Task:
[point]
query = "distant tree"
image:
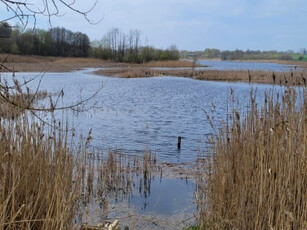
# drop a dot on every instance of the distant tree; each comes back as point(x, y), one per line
point(212, 53)
point(28, 43)
point(5, 34)
point(148, 54)
point(15, 48)
point(303, 51)
point(285, 57)
point(173, 53)
point(45, 42)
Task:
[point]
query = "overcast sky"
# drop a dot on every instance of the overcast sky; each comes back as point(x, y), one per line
point(196, 24)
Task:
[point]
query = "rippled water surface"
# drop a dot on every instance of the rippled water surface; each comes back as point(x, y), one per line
point(134, 114)
point(131, 115)
point(239, 65)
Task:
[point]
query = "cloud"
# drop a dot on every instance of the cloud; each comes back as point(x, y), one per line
point(197, 24)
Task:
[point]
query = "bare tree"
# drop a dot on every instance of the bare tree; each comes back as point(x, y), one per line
point(25, 10)
point(14, 95)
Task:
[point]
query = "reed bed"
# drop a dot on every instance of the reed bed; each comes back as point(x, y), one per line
point(282, 78)
point(172, 64)
point(48, 180)
point(10, 58)
point(257, 177)
point(298, 77)
point(39, 177)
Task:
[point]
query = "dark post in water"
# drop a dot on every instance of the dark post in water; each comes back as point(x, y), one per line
point(179, 142)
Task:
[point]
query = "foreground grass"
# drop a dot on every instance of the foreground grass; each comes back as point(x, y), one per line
point(40, 181)
point(257, 178)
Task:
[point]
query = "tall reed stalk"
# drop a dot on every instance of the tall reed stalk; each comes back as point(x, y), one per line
point(39, 176)
point(257, 176)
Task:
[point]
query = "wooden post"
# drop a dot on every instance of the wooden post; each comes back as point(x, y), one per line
point(179, 142)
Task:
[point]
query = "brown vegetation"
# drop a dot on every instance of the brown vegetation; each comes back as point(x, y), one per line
point(21, 63)
point(299, 64)
point(257, 175)
point(282, 78)
point(172, 64)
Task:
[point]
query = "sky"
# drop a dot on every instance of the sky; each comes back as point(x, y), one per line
point(193, 24)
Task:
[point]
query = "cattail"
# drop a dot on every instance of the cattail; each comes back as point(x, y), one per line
point(274, 77)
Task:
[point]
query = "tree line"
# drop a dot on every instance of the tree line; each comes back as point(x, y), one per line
point(115, 45)
point(245, 55)
point(54, 42)
point(122, 47)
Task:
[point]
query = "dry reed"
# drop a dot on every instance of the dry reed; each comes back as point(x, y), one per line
point(172, 64)
point(282, 78)
point(39, 182)
point(257, 175)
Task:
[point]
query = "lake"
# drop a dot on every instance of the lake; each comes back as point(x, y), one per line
point(131, 115)
point(240, 65)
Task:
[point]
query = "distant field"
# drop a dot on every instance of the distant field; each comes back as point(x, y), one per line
point(297, 56)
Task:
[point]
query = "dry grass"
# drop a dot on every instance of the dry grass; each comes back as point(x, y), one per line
point(257, 177)
point(281, 78)
point(300, 64)
point(48, 182)
point(21, 63)
point(171, 64)
point(25, 59)
point(129, 72)
point(40, 180)
point(45, 180)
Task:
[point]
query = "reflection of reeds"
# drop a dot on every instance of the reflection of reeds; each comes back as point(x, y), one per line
point(257, 176)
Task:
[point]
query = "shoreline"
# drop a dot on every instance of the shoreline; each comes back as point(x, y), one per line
point(295, 78)
point(181, 68)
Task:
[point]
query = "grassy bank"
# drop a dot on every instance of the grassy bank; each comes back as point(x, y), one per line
point(182, 68)
point(257, 177)
point(21, 63)
point(281, 78)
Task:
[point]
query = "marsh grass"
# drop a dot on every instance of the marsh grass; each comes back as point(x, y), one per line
point(172, 64)
point(39, 177)
point(291, 78)
point(49, 178)
point(257, 177)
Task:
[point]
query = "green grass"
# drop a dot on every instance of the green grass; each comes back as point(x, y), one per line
point(192, 228)
point(297, 56)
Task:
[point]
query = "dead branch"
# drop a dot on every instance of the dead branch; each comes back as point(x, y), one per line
point(24, 10)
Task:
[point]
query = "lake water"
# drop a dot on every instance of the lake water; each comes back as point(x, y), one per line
point(135, 114)
point(131, 115)
point(239, 65)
